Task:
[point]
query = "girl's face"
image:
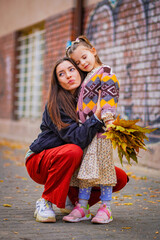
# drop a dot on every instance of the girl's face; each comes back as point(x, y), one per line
point(85, 58)
point(68, 76)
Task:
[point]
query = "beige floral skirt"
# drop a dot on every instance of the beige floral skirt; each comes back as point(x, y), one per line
point(97, 165)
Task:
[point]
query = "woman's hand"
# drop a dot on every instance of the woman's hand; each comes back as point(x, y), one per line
point(98, 110)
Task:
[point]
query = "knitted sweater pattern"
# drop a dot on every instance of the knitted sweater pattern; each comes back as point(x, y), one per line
point(99, 78)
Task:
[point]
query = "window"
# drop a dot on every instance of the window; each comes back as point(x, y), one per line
point(30, 74)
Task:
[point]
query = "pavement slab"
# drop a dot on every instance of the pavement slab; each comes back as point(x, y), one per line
point(135, 209)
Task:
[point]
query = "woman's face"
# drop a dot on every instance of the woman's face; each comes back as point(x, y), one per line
point(68, 76)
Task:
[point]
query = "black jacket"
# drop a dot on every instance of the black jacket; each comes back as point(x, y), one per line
point(51, 137)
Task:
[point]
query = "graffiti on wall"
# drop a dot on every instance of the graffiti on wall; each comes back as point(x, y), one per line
point(109, 10)
point(114, 6)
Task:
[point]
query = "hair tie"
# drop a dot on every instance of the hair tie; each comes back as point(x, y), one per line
point(68, 44)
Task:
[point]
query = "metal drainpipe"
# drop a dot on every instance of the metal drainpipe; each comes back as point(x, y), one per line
point(78, 29)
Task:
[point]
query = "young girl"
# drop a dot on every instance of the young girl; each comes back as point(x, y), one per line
point(97, 168)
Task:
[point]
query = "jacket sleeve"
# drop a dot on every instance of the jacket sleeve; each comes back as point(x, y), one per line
point(76, 134)
point(109, 94)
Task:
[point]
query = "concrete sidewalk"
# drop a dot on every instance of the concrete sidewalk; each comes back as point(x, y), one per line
point(136, 209)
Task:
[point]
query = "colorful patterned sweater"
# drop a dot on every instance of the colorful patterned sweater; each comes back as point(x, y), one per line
point(98, 78)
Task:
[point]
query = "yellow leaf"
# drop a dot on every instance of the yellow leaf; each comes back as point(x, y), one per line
point(114, 144)
point(121, 129)
point(127, 196)
point(7, 205)
point(125, 123)
point(135, 177)
point(25, 179)
point(124, 145)
point(38, 186)
point(126, 227)
point(129, 174)
point(127, 204)
point(115, 197)
point(144, 178)
point(1, 180)
point(138, 194)
point(127, 137)
point(110, 126)
point(151, 202)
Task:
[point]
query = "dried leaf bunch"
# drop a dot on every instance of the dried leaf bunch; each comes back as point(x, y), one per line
point(127, 137)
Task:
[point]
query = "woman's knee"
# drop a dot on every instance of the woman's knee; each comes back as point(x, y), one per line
point(74, 154)
point(122, 179)
point(76, 150)
point(32, 169)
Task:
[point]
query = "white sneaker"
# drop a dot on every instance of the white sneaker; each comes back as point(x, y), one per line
point(44, 211)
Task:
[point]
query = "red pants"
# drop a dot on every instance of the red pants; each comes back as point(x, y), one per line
point(54, 168)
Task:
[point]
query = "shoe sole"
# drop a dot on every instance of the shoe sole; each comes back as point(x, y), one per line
point(65, 210)
point(77, 220)
point(44, 220)
point(101, 222)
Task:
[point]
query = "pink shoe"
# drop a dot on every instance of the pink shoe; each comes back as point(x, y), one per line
point(103, 215)
point(78, 214)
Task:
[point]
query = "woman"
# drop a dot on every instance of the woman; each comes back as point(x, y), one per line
point(57, 152)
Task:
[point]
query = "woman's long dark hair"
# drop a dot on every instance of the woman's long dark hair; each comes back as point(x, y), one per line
point(61, 98)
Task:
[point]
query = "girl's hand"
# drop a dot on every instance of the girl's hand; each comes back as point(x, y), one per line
point(98, 110)
point(109, 122)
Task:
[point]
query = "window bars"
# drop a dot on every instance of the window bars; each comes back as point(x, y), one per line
point(30, 75)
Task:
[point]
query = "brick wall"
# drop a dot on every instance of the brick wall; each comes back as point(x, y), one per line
point(58, 29)
point(127, 37)
point(7, 59)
